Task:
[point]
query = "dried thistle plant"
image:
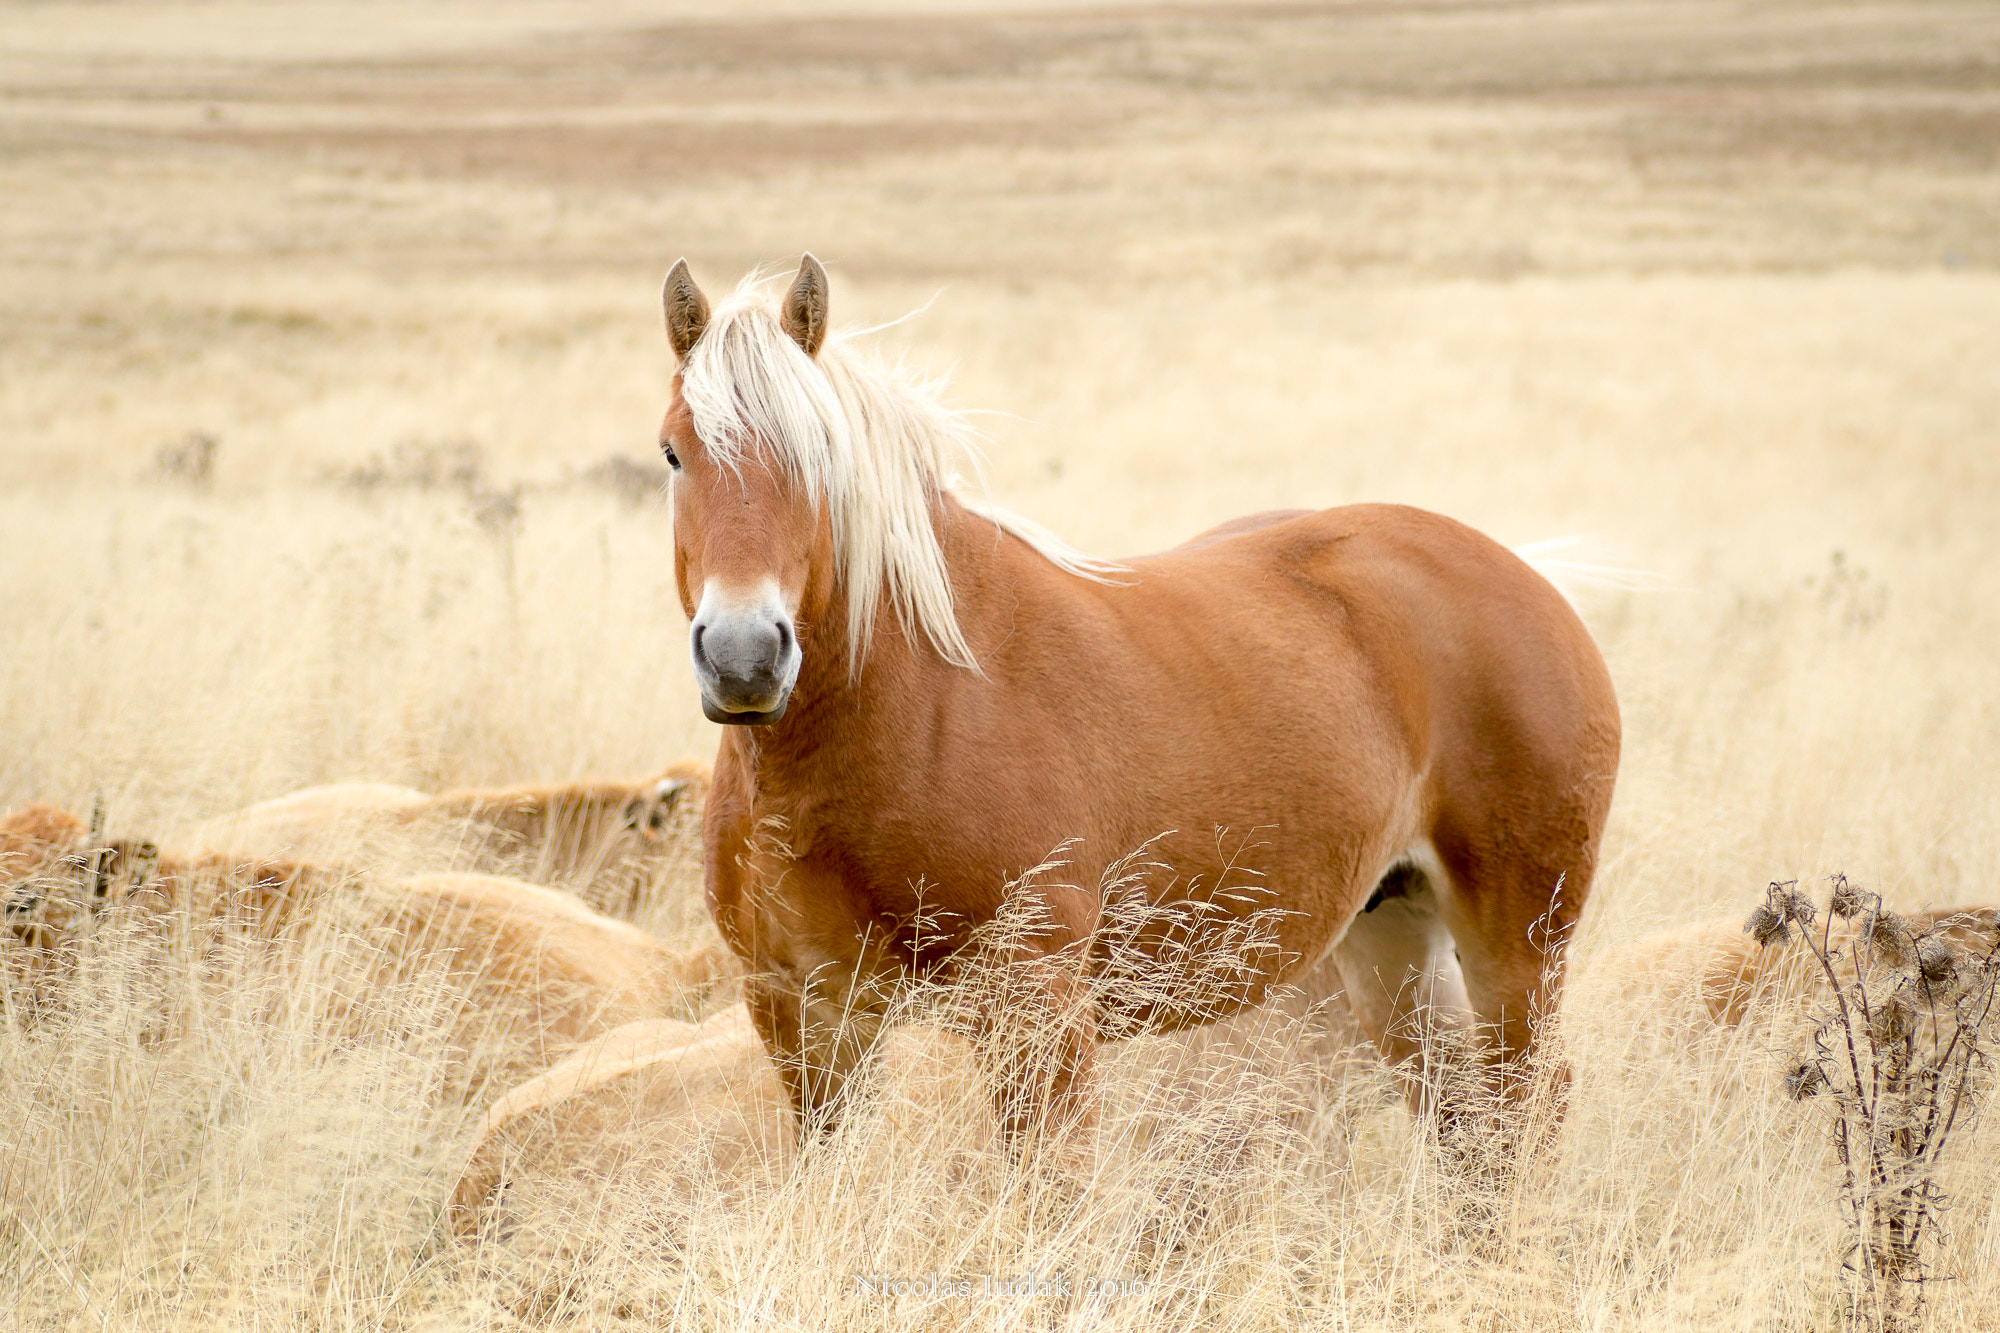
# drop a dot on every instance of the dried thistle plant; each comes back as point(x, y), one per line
point(1899, 1059)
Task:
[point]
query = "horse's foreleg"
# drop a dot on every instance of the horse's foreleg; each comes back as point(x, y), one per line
point(1037, 1037)
point(818, 1028)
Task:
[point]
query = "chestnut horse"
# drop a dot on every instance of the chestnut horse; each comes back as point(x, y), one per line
point(1395, 728)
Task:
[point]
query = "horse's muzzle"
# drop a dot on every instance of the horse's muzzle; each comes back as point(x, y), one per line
point(746, 665)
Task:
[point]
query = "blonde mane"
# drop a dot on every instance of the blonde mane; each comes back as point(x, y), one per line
point(874, 440)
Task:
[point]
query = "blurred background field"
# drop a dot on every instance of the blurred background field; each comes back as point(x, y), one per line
point(330, 365)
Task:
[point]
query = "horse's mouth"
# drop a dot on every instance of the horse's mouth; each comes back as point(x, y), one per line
point(749, 718)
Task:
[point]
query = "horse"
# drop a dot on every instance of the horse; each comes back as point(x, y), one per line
point(704, 1101)
point(537, 971)
point(700, 1105)
point(613, 842)
point(1370, 730)
point(1733, 982)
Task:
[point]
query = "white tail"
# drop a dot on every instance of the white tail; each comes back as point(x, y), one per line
point(1579, 566)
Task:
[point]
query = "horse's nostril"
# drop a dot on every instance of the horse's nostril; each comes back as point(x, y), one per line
point(784, 637)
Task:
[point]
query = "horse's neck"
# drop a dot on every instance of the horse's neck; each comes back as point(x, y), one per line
point(837, 716)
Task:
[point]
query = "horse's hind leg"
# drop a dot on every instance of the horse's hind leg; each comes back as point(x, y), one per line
point(1400, 978)
point(1511, 911)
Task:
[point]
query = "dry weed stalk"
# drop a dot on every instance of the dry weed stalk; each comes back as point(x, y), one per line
point(190, 459)
point(1900, 1058)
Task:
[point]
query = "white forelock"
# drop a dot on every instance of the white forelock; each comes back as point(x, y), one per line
point(873, 439)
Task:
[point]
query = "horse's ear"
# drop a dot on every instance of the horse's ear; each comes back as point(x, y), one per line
point(804, 311)
point(686, 307)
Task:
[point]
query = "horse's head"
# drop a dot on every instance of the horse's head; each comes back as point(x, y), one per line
point(753, 543)
point(660, 803)
point(55, 872)
point(810, 483)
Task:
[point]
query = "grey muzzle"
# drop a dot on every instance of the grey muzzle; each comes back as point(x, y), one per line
point(746, 663)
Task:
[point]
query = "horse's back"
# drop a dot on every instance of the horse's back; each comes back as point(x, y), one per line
point(1396, 562)
point(536, 921)
point(1454, 634)
point(1319, 685)
point(1444, 609)
point(297, 822)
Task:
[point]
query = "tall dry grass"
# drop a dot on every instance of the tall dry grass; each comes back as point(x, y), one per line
point(1715, 286)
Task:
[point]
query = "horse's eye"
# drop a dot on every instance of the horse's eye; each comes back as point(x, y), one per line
point(673, 459)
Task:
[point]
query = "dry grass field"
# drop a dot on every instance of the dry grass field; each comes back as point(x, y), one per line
point(1716, 284)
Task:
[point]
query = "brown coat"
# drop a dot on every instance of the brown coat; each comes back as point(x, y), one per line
point(1294, 707)
point(535, 970)
point(703, 1102)
point(1732, 980)
point(941, 719)
point(621, 845)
